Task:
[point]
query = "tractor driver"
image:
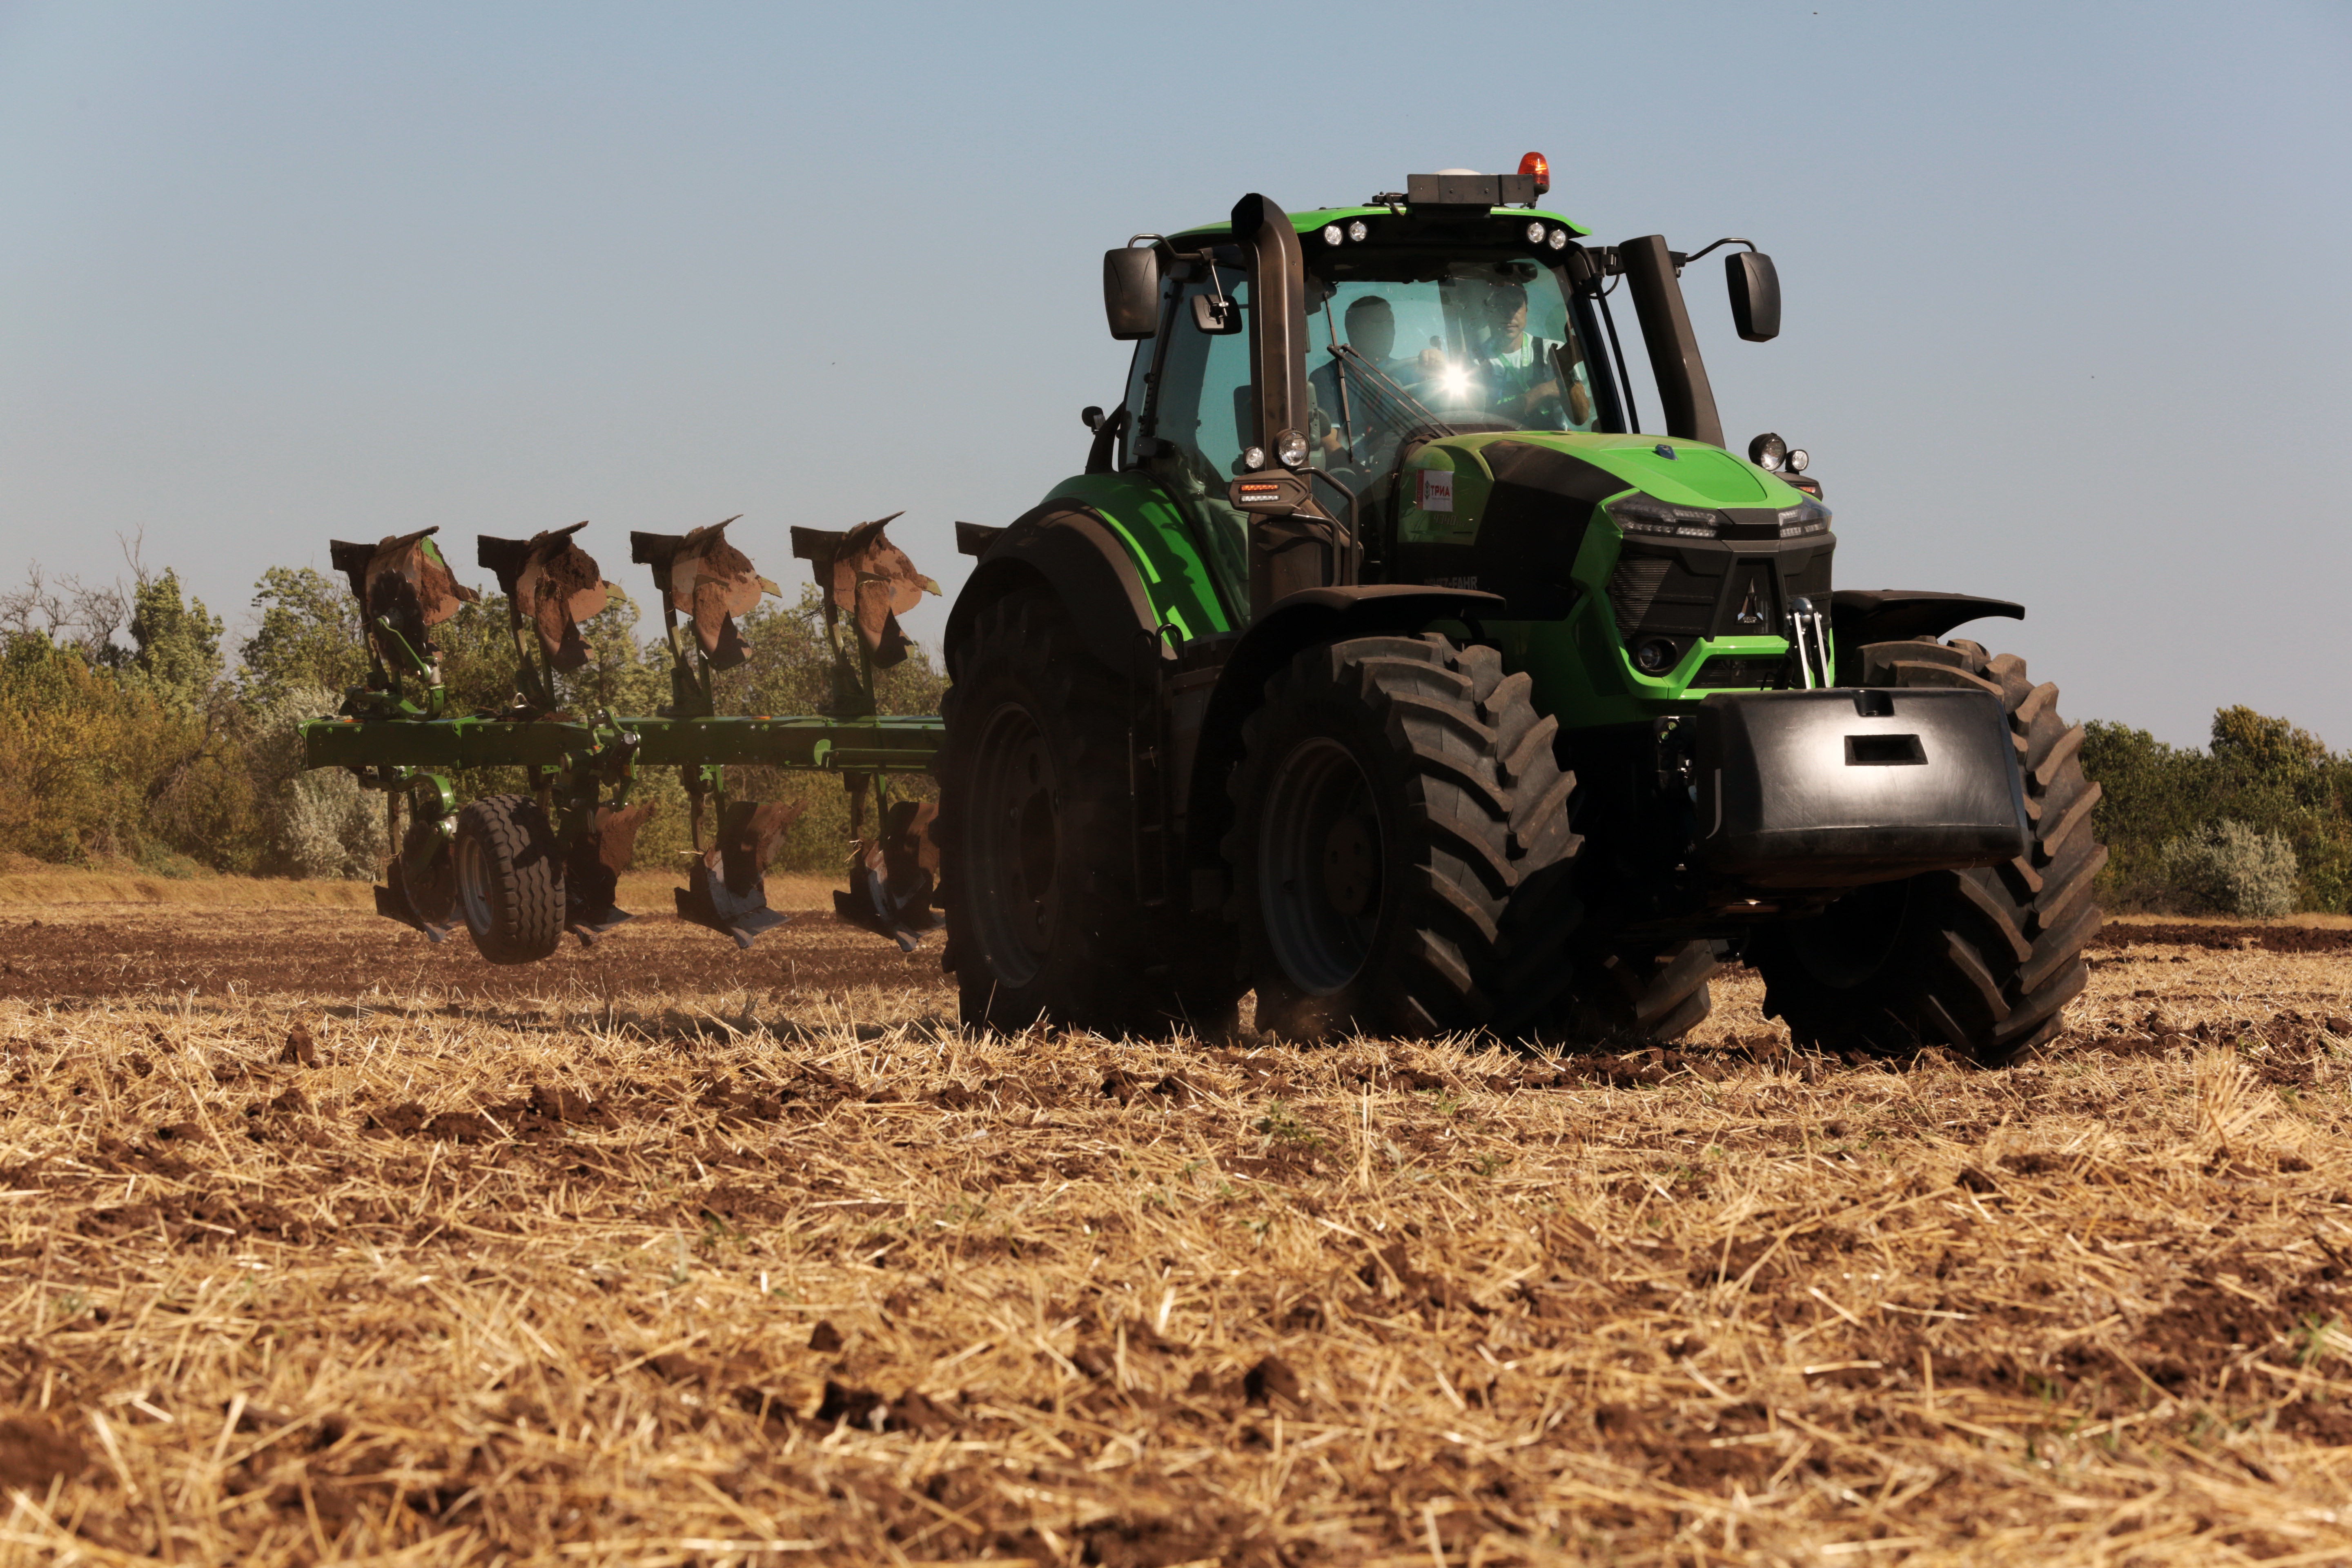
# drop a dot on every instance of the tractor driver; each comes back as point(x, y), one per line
point(1521, 369)
point(1372, 328)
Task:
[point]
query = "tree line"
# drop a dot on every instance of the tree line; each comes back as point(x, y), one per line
point(128, 739)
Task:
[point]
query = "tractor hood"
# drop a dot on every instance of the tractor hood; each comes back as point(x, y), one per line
point(1678, 472)
point(1511, 510)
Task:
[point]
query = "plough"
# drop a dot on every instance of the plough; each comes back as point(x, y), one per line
point(518, 871)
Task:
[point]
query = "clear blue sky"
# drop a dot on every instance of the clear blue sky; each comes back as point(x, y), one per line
point(2067, 286)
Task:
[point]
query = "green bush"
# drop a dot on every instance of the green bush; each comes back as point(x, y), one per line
point(2230, 868)
point(2260, 771)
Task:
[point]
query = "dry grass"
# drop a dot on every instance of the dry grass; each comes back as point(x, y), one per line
point(679, 1279)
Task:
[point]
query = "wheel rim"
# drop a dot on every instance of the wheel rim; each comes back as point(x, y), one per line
point(1848, 943)
point(474, 885)
point(1014, 850)
point(1320, 850)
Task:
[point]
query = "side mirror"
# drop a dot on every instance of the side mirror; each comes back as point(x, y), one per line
point(1131, 291)
point(1754, 295)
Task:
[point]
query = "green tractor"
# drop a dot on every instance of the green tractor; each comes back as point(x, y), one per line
point(1377, 665)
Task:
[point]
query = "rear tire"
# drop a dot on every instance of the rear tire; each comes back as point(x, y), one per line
point(1393, 795)
point(1037, 846)
point(510, 877)
point(1983, 960)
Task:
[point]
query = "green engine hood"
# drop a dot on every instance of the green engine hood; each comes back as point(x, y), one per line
point(1694, 475)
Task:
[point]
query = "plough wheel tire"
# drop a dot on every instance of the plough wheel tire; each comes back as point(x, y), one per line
point(1393, 794)
point(1037, 846)
point(510, 879)
point(1983, 961)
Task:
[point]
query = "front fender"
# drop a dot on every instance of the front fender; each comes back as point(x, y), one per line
point(1863, 616)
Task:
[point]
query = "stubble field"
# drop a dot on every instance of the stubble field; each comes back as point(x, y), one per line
point(318, 1243)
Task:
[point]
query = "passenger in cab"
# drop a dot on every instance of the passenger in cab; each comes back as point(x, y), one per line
point(1366, 419)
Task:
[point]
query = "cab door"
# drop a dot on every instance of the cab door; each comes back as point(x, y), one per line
point(1196, 415)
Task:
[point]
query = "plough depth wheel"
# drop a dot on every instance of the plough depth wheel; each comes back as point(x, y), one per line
point(510, 879)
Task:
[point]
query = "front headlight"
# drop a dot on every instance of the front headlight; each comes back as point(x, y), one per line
point(1803, 522)
point(1648, 515)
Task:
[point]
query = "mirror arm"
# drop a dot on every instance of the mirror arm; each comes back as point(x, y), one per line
point(1718, 245)
point(1107, 430)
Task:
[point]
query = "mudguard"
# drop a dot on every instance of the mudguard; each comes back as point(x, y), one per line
point(1068, 549)
point(1860, 616)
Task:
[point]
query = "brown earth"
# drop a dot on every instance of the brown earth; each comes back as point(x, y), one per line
point(89, 951)
point(2225, 936)
point(672, 1254)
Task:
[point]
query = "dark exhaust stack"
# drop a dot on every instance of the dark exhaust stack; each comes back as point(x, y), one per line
point(1284, 557)
point(1674, 347)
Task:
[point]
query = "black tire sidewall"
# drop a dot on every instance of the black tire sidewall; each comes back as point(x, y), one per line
point(1359, 1000)
point(1112, 964)
point(508, 838)
point(998, 683)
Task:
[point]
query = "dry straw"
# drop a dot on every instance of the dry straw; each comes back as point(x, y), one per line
point(772, 1279)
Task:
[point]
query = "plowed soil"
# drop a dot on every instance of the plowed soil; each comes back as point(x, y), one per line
point(319, 1243)
point(86, 952)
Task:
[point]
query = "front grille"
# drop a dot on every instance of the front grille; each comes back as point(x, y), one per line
point(1654, 596)
point(1728, 670)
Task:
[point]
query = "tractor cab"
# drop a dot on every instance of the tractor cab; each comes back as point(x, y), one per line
point(1430, 390)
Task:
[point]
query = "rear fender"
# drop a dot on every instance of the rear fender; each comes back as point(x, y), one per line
point(1067, 549)
point(1298, 622)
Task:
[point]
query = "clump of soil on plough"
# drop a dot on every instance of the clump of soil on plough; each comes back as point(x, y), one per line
point(749, 1272)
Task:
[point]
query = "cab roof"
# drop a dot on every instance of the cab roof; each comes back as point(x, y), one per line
point(1307, 223)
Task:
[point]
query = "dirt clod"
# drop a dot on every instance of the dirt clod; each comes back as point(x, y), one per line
point(36, 1450)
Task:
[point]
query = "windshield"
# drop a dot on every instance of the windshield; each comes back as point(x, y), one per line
point(1435, 346)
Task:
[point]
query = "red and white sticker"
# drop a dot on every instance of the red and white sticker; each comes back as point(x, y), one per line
point(1436, 489)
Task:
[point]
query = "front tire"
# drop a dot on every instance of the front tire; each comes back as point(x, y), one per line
point(1393, 795)
point(510, 877)
point(1646, 996)
point(1981, 961)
